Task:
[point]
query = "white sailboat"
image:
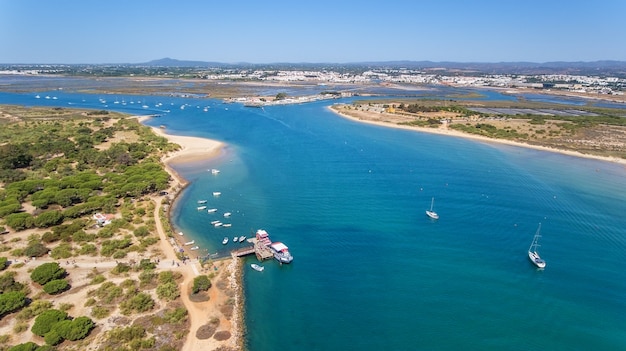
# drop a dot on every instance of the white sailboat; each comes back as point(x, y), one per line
point(533, 255)
point(430, 213)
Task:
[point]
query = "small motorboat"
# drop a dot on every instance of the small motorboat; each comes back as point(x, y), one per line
point(242, 238)
point(225, 241)
point(257, 267)
point(194, 248)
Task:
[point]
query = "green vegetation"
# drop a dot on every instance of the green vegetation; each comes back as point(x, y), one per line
point(488, 130)
point(201, 283)
point(57, 168)
point(47, 272)
point(168, 288)
point(11, 302)
point(72, 169)
point(56, 286)
point(56, 326)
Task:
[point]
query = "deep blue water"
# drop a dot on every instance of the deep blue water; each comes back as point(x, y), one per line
point(371, 271)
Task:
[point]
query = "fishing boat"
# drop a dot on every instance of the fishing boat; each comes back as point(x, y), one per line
point(533, 255)
point(257, 267)
point(225, 241)
point(190, 242)
point(430, 213)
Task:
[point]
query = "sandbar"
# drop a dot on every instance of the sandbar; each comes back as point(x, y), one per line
point(444, 130)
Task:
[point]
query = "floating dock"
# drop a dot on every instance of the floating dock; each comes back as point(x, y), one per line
point(261, 251)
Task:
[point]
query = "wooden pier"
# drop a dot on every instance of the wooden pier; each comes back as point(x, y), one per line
point(261, 251)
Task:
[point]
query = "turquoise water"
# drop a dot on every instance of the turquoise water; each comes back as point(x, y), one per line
point(370, 270)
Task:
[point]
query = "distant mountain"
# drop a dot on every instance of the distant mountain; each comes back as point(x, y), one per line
point(170, 62)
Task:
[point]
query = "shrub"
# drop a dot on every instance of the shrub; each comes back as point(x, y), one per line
point(35, 249)
point(8, 283)
point(56, 286)
point(11, 302)
point(47, 272)
point(46, 321)
point(141, 231)
point(120, 268)
point(76, 329)
point(100, 312)
point(48, 219)
point(4, 263)
point(146, 264)
point(168, 291)
point(175, 316)
point(64, 250)
point(29, 346)
point(52, 337)
point(201, 283)
point(34, 309)
point(141, 302)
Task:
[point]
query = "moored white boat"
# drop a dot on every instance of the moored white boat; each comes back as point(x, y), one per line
point(190, 242)
point(200, 202)
point(281, 252)
point(257, 267)
point(225, 241)
point(242, 238)
point(200, 208)
point(216, 193)
point(430, 213)
point(194, 248)
point(533, 255)
point(227, 214)
point(180, 233)
point(212, 210)
point(227, 225)
point(215, 171)
point(217, 224)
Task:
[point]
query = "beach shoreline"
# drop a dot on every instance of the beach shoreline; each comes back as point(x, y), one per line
point(443, 130)
point(201, 149)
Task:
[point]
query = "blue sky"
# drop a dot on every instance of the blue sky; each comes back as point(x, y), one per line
point(231, 31)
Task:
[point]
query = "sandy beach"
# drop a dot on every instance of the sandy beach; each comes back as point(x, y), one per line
point(443, 130)
point(200, 313)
